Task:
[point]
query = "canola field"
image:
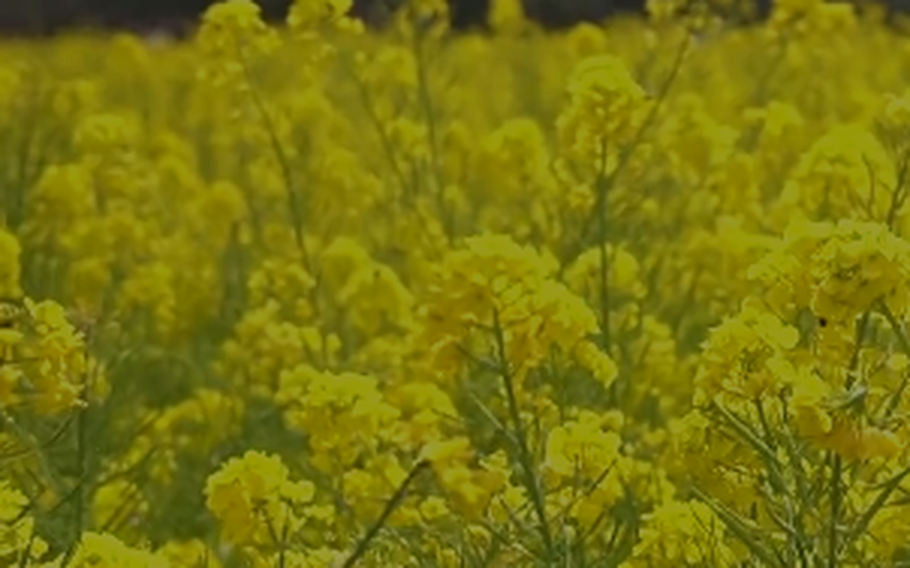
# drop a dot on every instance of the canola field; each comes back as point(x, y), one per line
point(632, 296)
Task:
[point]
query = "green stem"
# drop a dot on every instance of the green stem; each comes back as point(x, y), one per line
point(81, 457)
point(836, 496)
point(284, 164)
point(79, 492)
point(426, 103)
point(904, 344)
point(409, 190)
point(626, 156)
point(394, 502)
point(898, 196)
point(524, 453)
point(602, 188)
point(388, 148)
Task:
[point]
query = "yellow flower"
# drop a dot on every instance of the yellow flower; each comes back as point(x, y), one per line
point(17, 527)
point(807, 402)
point(376, 300)
point(120, 504)
point(104, 133)
point(581, 447)
point(307, 14)
point(687, 533)
point(254, 500)
point(188, 554)
point(506, 15)
point(345, 415)
point(443, 454)
point(745, 357)
point(233, 35)
point(101, 550)
point(599, 363)
point(605, 110)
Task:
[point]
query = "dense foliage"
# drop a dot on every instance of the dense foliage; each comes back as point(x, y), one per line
point(630, 296)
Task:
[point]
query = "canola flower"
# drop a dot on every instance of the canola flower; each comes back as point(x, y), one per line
point(312, 295)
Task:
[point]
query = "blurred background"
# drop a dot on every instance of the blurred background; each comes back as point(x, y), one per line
point(40, 17)
point(30, 17)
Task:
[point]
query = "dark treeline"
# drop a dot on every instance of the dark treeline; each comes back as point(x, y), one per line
point(49, 16)
point(38, 17)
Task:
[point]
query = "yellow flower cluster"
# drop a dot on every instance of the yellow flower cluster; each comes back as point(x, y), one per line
point(254, 500)
point(312, 295)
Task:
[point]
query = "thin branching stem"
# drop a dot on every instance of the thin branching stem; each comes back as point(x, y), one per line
point(284, 163)
point(836, 497)
point(524, 452)
point(904, 344)
point(393, 503)
point(429, 111)
point(625, 156)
